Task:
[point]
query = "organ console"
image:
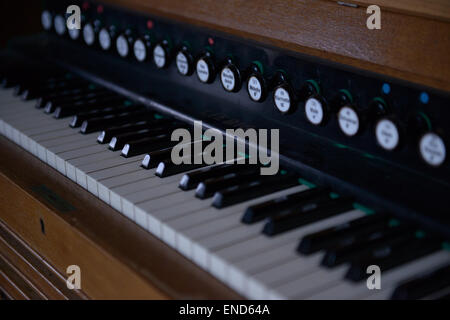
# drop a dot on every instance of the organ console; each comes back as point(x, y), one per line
point(87, 177)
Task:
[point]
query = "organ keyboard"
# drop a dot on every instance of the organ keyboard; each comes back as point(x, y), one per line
point(99, 106)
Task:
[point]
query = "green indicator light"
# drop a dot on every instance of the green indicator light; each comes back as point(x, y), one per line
point(341, 146)
point(282, 71)
point(259, 65)
point(92, 87)
point(187, 44)
point(158, 116)
point(127, 103)
point(306, 183)
point(334, 195)
point(368, 155)
point(209, 49)
point(420, 234)
point(315, 85)
point(246, 156)
point(283, 172)
point(348, 94)
point(427, 120)
point(169, 42)
point(380, 100)
point(393, 223)
point(446, 246)
point(366, 210)
point(206, 138)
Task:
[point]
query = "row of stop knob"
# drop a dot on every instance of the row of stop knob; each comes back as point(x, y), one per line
point(317, 110)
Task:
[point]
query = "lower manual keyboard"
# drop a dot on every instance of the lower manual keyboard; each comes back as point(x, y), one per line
point(256, 265)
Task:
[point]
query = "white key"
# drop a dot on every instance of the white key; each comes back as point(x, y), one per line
point(94, 177)
point(83, 170)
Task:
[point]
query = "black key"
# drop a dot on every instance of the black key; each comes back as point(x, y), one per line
point(306, 213)
point(168, 168)
point(254, 189)
point(78, 119)
point(364, 244)
point(342, 234)
point(32, 92)
point(105, 101)
point(191, 180)
point(152, 159)
point(106, 135)
point(263, 210)
point(76, 100)
point(102, 123)
point(391, 256)
point(119, 141)
point(424, 285)
point(34, 84)
point(66, 94)
point(208, 188)
point(143, 146)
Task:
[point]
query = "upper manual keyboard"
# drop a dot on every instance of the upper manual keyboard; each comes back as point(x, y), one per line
point(267, 237)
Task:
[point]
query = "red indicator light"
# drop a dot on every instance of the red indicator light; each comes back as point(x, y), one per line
point(210, 41)
point(149, 24)
point(86, 5)
point(100, 9)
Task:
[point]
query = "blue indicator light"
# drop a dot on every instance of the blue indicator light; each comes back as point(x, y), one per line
point(424, 98)
point(386, 88)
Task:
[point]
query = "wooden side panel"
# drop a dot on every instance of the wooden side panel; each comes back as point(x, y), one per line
point(102, 276)
point(49, 281)
point(408, 47)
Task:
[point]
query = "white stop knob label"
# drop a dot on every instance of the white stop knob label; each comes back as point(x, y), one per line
point(202, 70)
point(432, 149)
point(105, 39)
point(46, 20)
point(140, 51)
point(60, 25)
point(182, 64)
point(387, 134)
point(88, 34)
point(282, 100)
point(348, 121)
point(159, 56)
point(314, 111)
point(254, 88)
point(122, 46)
point(227, 78)
point(74, 34)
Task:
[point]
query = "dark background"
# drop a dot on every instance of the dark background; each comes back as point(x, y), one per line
point(18, 17)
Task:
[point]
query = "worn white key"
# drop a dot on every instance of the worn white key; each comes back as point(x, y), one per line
point(161, 212)
point(130, 173)
point(83, 170)
point(94, 177)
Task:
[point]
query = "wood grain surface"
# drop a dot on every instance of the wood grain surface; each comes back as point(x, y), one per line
point(436, 9)
point(408, 47)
